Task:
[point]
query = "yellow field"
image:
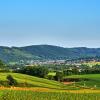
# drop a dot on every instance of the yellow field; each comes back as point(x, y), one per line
point(37, 89)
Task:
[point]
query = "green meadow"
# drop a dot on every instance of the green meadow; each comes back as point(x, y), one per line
point(88, 80)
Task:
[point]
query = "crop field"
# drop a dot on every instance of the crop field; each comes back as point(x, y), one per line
point(30, 95)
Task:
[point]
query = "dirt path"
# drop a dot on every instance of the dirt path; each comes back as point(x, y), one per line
point(67, 83)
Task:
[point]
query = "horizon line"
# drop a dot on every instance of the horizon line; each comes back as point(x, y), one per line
point(48, 45)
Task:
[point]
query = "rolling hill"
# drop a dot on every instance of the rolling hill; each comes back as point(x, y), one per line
point(32, 81)
point(41, 52)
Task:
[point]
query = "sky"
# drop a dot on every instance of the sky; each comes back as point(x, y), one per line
point(67, 23)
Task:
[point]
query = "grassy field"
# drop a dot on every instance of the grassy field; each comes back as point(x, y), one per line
point(29, 95)
point(32, 81)
point(52, 73)
point(92, 82)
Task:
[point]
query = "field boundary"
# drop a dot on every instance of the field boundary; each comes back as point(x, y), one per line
point(37, 89)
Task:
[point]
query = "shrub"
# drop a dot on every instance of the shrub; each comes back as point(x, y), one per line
point(11, 81)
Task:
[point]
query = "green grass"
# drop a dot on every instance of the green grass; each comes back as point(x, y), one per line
point(52, 73)
point(34, 81)
point(93, 79)
point(29, 95)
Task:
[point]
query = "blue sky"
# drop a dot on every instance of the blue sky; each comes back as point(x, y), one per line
point(68, 23)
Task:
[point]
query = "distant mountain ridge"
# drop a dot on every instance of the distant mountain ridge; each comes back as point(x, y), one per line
point(40, 52)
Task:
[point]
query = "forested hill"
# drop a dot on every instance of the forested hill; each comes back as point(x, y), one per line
point(37, 52)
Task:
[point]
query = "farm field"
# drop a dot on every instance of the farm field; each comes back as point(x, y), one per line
point(31, 81)
point(30, 95)
point(92, 80)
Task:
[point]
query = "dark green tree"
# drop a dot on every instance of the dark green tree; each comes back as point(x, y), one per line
point(39, 71)
point(59, 76)
point(11, 81)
